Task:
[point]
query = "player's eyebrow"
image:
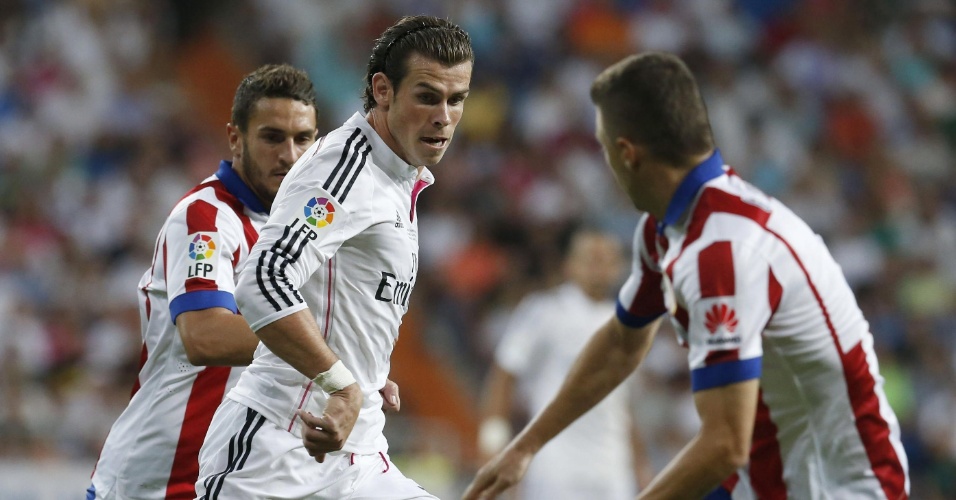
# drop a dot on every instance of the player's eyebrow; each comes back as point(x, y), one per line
point(434, 89)
point(277, 130)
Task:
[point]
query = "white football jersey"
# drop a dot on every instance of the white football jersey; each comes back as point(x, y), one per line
point(342, 241)
point(152, 448)
point(754, 293)
point(545, 335)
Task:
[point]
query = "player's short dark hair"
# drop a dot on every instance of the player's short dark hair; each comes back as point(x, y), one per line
point(271, 80)
point(653, 99)
point(432, 37)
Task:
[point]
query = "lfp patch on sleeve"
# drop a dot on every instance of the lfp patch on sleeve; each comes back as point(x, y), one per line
point(202, 250)
point(319, 212)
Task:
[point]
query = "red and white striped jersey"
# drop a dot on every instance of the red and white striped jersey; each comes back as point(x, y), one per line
point(152, 449)
point(754, 293)
point(342, 241)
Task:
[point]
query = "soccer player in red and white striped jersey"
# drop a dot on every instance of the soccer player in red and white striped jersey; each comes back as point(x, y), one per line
point(784, 374)
point(194, 342)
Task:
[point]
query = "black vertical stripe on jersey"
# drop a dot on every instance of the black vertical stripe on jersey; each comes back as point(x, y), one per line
point(272, 280)
point(345, 153)
point(361, 165)
point(259, 422)
point(234, 455)
point(279, 248)
point(289, 260)
point(348, 168)
point(261, 283)
point(245, 447)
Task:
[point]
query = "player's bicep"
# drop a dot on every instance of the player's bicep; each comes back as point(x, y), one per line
point(726, 315)
point(727, 414)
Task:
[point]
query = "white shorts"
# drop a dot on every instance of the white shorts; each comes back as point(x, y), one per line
point(246, 456)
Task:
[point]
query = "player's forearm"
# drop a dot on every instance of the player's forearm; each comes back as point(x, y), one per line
point(216, 337)
point(610, 356)
point(297, 340)
point(696, 471)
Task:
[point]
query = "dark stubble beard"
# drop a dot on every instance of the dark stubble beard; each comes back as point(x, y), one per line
point(252, 176)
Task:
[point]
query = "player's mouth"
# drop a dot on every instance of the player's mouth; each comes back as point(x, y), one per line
point(436, 143)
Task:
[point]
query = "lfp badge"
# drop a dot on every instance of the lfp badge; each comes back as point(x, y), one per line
point(319, 212)
point(202, 247)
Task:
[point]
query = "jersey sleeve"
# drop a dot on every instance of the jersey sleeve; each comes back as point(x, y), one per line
point(728, 308)
point(516, 350)
point(641, 299)
point(200, 249)
point(323, 202)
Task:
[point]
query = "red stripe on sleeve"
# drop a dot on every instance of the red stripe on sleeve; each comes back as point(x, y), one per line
point(204, 398)
point(143, 356)
point(715, 268)
point(731, 482)
point(649, 299)
point(715, 357)
point(774, 291)
point(873, 429)
point(766, 465)
point(201, 216)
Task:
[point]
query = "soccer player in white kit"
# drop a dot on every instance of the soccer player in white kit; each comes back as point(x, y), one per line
point(546, 332)
point(783, 370)
point(329, 281)
point(192, 336)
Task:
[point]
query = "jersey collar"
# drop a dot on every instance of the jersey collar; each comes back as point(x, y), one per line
point(710, 168)
point(235, 185)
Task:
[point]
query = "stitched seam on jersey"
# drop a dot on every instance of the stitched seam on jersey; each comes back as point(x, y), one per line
point(305, 394)
point(328, 303)
point(345, 153)
point(348, 167)
point(361, 165)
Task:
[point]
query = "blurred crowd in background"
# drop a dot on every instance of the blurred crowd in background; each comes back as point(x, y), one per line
point(110, 110)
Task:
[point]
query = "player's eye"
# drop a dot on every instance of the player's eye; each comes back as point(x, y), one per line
point(428, 98)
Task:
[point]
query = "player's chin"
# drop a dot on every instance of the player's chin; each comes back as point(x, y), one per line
point(430, 158)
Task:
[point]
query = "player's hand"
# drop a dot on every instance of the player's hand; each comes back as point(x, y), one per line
point(391, 402)
point(501, 473)
point(328, 433)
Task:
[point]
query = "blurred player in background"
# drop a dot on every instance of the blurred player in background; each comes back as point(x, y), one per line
point(329, 281)
point(601, 454)
point(785, 378)
point(192, 334)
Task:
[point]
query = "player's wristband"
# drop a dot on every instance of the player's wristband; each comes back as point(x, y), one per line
point(336, 378)
point(493, 435)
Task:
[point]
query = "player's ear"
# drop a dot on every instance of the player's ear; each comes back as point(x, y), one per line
point(235, 140)
point(382, 90)
point(632, 154)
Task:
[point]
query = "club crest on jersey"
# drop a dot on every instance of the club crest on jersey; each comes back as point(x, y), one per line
point(319, 212)
point(202, 247)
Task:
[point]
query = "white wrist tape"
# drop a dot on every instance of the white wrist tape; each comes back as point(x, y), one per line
point(336, 378)
point(493, 435)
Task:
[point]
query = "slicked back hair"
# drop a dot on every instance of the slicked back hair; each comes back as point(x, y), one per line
point(275, 81)
point(432, 37)
point(652, 99)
